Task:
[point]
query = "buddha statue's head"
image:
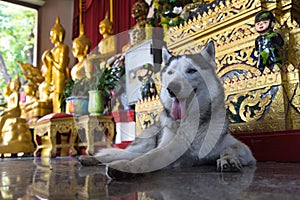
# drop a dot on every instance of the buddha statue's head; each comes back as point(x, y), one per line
point(106, 26)
point(15, 84)
point(140, 10)
point(81, 44)
point(29, 89)
point(57, 33)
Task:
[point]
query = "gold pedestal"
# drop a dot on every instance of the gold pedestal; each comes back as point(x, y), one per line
point(15, 137)
point(92, 124)
point(46, 133)
point(42, 109)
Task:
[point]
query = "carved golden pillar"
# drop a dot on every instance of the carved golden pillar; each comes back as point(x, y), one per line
point(98, 131)
point(46, 133)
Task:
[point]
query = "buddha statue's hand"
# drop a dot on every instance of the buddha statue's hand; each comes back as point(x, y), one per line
point(49, 56)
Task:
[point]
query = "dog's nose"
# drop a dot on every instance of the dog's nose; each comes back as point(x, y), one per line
point(173, 89)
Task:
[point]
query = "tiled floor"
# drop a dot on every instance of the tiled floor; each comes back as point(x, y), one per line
point(63, 178)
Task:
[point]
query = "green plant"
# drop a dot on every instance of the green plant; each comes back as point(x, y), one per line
point(75, 88)
point(106, 79)
point(167, 12)
point(16, 39)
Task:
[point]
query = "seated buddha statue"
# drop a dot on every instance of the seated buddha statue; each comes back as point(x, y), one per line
point(15, 135)
point(34, 108)
point(107, 47)
point(56, 61)
point(36, 104)
point(80, 48)
point(13, 109)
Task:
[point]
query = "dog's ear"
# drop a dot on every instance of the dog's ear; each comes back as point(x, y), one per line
point(165, 55)
point(208, 53)
point(209, 49)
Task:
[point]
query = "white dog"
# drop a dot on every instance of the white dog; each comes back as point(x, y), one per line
point(193, 129)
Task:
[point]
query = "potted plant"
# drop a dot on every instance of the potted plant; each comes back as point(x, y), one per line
point(75, 99)
point(102, 84)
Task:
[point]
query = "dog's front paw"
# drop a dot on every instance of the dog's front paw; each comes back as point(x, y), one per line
point(88, 160)
point(115, 174)
point(119, 170)
point(228, 163)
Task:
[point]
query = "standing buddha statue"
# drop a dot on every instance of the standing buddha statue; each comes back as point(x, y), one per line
point(57, 61)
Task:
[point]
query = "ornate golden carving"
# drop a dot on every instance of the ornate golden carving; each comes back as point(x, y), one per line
point(48, 130)
point(256, 101)
point(218, 22)
point(147, 113)
point(253, 105)
point(104, 124)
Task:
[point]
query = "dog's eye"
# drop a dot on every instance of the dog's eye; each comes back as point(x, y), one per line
point(191, 71)
point(170, 72)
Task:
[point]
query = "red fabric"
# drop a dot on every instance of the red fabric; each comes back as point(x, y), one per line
point(123, 145)
point(276, 146)
point(123, 115)
point(54, 116)
point(94, 11)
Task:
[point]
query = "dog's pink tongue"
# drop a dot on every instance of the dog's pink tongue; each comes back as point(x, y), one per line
point(178, 109)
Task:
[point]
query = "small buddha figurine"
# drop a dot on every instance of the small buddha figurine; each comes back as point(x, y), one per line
point(137, 33)
point(81, 46)
point(13, 107)
point(57, 61)
point(30, 92)
point(268, 43)
point(139, 12)
point(31, 98)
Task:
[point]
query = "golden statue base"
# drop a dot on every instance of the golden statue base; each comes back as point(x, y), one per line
point(99, 131)
point(53, 132)
point(16, 137)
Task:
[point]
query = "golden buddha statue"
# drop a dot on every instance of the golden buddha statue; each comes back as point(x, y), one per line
point(57, 61)
point(37, 90)
point(34, 108)
point(81, 46)
point(108, 45)
point(15, 135)
point(13, 107)
point(45, 89)
point(106, 49)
